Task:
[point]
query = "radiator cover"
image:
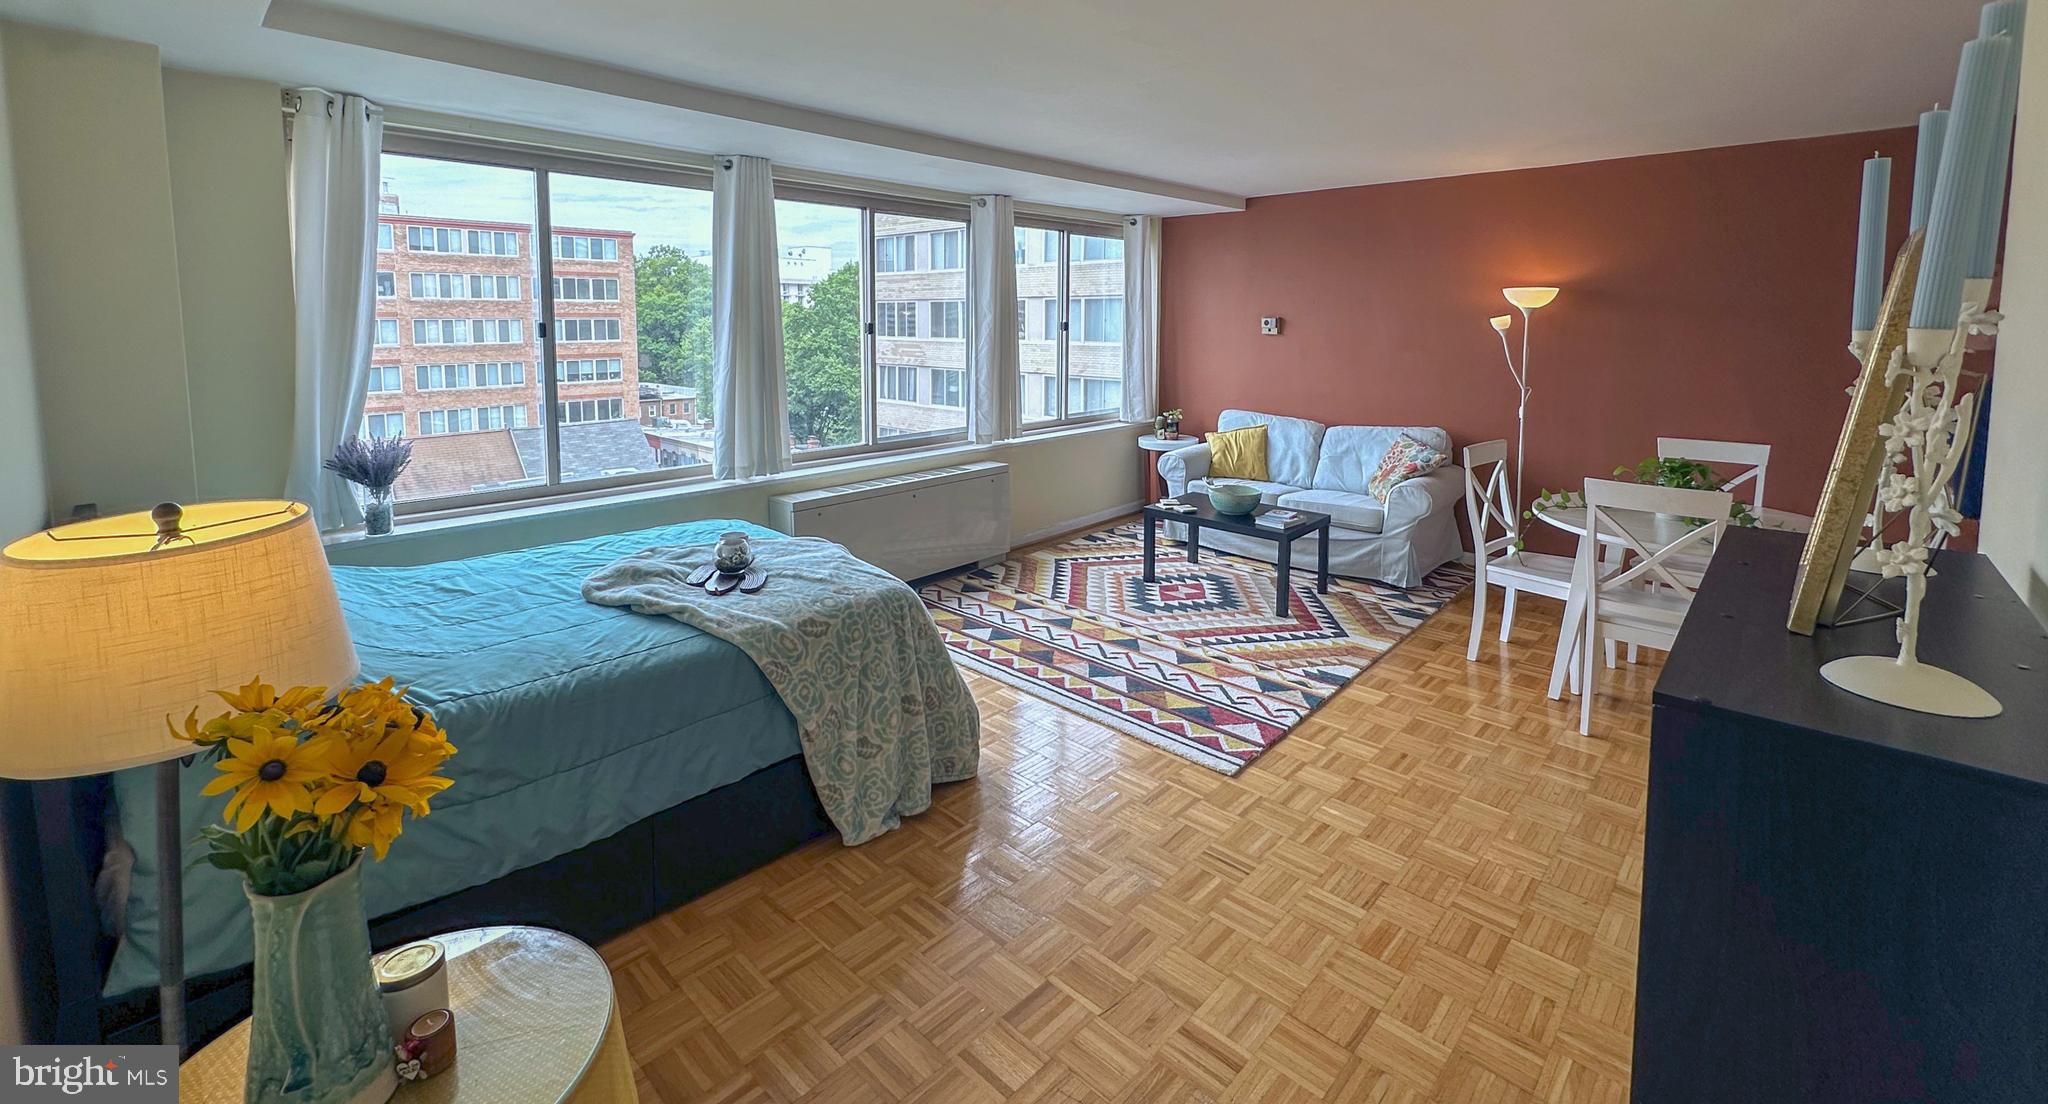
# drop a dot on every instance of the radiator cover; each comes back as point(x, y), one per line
point(911, 525)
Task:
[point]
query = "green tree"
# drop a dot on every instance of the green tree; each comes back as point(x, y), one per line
point(673, 304)
point(821, 358)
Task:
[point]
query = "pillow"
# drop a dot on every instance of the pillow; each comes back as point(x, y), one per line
point(1405, 459)
point(1238, 454)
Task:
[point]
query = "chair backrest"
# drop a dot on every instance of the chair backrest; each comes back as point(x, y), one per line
point(1753, 459)
point(1488, 499)
point(1692, 518)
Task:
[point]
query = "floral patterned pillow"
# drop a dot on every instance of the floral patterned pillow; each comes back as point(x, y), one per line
point(1405, 459)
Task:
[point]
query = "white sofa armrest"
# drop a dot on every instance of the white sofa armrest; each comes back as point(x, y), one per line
point(1182, 466)
point(1415, 500)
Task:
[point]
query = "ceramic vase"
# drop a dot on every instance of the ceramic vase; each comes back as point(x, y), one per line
point(377, 512)
point(317, 1033)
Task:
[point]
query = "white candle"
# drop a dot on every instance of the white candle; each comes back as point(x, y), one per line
point(1927, 164)
point(1870, 228)
point(1959, 189)
point(2007, 17)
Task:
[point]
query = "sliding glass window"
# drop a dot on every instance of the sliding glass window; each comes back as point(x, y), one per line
point(875, 323)
point(551, 322)
point(1070, 323)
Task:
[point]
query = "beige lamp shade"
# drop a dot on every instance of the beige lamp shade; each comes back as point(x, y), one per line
point(1501, 322)
point(104, 632)
point(1529, 298)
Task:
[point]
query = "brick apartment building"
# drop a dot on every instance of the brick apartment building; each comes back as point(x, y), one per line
point(457, 354)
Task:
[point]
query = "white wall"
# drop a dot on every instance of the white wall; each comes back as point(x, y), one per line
point(227, 165)
point(2015, 525)
point(94, 192)
point(23, 496)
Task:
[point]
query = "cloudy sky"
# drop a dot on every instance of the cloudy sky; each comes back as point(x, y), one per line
point(656, 214)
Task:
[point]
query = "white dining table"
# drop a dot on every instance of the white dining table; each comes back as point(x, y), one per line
point(1649, 531)
point(1657, 530)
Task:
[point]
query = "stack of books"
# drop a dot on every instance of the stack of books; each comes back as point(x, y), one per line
point(1176, 505)
point(1277, 519)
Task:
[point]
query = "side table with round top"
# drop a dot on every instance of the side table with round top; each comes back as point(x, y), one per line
point(1152, 443)
point(535, 1023)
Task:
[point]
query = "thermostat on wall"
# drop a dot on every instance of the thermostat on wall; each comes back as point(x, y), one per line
point(1269, 326)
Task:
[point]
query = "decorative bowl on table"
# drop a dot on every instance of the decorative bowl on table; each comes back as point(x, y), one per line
point(1234, 499)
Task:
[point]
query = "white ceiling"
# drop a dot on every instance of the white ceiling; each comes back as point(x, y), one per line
point(1159, 106)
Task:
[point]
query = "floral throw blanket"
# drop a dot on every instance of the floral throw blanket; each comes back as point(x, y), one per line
point(879, 707)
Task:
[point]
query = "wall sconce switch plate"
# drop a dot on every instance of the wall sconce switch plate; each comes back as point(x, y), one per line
point(1269, 327)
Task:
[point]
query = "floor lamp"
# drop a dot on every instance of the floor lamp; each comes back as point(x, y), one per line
point(113, 625)
point(1524, 299)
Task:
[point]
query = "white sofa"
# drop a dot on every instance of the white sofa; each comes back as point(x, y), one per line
point(1325, 469)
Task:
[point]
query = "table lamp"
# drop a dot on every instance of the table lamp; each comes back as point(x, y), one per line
point(115, 624)
point(1524, 299)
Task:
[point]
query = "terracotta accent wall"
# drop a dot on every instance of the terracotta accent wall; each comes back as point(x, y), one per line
point(1705, 294)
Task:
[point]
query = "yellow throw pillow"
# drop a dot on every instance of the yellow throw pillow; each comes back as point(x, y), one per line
point(1238, 454)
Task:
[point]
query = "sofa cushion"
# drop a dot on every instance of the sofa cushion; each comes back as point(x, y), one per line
point(1292, 444)
point(1269, 493)
point(1360, 512)
point(1238, 453)
point(1352, 453)
point(1407, 459)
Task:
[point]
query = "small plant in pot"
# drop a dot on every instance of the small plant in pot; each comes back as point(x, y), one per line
point(1167, 424)
point(374, 464)
point(1677, 471)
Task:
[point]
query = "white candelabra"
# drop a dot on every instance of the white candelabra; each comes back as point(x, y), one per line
point(1924, 446)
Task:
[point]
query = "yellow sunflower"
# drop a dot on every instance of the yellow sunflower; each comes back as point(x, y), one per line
point(258, 696)
point(388, 771)
point(269, 771)
point(374, 827)
point(229, 726)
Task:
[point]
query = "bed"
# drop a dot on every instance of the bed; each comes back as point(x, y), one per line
point(600, 749)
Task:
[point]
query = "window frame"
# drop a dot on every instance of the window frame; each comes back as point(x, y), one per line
point(1062, 308)
point(541, 163)
point(871, 204)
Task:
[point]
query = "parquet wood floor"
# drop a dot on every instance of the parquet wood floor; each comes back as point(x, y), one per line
point(1428, 892)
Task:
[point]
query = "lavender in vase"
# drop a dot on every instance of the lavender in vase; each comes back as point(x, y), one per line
point(374, 464)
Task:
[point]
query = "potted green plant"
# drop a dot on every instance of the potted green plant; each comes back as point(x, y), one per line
point(1677, 471)
point(1168, 423)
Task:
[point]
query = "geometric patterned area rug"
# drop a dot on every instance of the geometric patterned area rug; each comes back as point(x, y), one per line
point(1203, 663)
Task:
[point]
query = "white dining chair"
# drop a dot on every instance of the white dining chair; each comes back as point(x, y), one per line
point(1751, 460)
point(1490, 505)
point(1644, 600)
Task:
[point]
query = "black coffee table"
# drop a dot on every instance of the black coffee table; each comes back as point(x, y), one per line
point(1204, 516)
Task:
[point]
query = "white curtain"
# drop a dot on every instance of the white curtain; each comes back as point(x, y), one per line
point(335, 144)
point(1141, 318)
point(992, 289)
point(751, 411)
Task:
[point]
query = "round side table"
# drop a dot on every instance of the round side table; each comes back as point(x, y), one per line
point(535, 1023)
point(1151, 443)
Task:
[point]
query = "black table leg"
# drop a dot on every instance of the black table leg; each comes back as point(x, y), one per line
point(1194, 543)
point(1151, 540)
point(1281, 601)
point(1323, 560)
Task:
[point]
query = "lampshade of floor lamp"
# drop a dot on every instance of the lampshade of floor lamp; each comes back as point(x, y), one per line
point(1524, 299)
point(116, 624)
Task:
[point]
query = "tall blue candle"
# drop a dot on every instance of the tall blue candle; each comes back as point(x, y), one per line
point(2002, 17)
point(1927, 164)
point(1870, 227)
point(1959, 189)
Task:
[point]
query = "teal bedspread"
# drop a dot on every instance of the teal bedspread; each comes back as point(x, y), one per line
point(573, 721)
